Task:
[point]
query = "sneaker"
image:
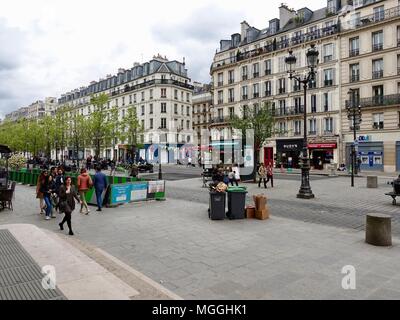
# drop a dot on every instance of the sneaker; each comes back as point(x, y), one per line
point(47, 218)
point(70, 233)
point(61, 226)
point(98, 209)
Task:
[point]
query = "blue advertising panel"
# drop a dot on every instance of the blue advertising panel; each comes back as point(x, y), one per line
point(120, 193)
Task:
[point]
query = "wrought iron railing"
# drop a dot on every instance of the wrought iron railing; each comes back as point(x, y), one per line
point(376, 101)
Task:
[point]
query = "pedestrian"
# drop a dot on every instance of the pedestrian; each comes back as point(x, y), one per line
point(112, 167)
point(39, 194)
point(68, 196)
point(100, 184)
point(262, 172)
point(232, 177)
point(84, 184)
point(88, 163)
point(270, 174)
point(358, 165)
point(46, 185)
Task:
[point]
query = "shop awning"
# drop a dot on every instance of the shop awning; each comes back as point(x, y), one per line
point(332, 145)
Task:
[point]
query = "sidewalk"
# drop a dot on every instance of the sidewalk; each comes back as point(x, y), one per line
point(83, 274)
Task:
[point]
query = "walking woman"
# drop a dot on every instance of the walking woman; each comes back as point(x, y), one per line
point(39, 195)
point(262, 172)
point(270, 174)
point(46, 186)
point(68, 196)
point(84, 184)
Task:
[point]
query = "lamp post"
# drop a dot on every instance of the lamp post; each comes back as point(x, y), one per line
point(354, 116)
point(305, 191)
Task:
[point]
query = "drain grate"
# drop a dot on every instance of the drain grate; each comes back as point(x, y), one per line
point(20, 275)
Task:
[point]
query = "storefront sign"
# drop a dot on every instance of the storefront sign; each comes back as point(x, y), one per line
point(289, 145)
point(322, 145)
point(364, 138)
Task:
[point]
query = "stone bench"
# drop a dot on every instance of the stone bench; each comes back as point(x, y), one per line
point(372, 182)
point(378, 229)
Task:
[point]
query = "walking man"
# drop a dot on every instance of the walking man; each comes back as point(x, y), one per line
point(100, 184)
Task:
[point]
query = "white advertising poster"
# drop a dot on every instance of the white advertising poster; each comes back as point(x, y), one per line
point(248, 157)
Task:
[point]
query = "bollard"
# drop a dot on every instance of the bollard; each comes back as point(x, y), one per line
point(378, 230)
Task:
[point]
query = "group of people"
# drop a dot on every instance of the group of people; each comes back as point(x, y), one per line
point(229, 175)
point(56, 192)
point(265, 174)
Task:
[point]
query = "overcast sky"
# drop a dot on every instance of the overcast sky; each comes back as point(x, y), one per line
point(48, 47)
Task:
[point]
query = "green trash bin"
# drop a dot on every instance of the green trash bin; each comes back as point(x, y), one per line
point(236, 202)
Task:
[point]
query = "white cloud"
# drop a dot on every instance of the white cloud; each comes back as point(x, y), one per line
point(50, 47)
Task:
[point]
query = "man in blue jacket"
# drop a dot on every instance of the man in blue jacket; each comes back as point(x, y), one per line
point(100, 184)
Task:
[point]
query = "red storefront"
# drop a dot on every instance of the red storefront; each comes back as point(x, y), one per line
point(321, 153)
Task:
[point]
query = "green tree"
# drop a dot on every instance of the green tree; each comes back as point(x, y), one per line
point(98, 123)
point(260, 119)
point(77, 133)
point(131, 128)
point(47, 125)
point(60, 129)
point(114, 128)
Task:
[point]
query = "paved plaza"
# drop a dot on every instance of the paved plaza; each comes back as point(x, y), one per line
point(298, 253)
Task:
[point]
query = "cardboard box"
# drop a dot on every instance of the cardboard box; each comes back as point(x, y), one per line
point(260, 202)
point(250, 212)
point(262, 214)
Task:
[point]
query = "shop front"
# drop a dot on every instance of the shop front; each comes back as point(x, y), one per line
point(370, 153)
point(321, 154)
point(288, 152)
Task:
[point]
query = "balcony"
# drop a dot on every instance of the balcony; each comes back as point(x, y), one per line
point(377, 47)
point(377, 101)
point(297, 133)
point(279, 45)
point(378, 125)
point(268, 93)
point(220, 101)
point(312, 132)
point(328, 83)
point(256, 95)
point(282, 133)
point(268, 72)
point(281, 90)
point(219, 119)
point(296, 88)
point(354, 52)
point(354, 78)
point(326, 108)
point(220, 83)
point(328, 58)
point(398, 71)
point(244, 77)
point(371, 19)
point(244, 97)
point(256, 74)
point(230, 81)
point(328, 132)
point(231, 99)
point(377, 74)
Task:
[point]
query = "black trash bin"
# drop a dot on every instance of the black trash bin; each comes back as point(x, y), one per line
point(236, 202)
point(217, 205)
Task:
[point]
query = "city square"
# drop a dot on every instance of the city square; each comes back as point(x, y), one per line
point(205, 151)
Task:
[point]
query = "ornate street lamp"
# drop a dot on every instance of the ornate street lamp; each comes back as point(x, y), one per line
point(312, 61)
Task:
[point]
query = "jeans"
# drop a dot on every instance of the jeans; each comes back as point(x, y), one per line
point(98, 198)
point(265, 182)
point(233, 181)
point(47, 200)
point(270, 177)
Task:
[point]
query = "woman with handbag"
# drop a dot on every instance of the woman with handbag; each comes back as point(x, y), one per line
point(68, 195)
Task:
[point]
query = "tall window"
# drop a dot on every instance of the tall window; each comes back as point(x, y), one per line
point(151, 108)
point(328, 125)
point(143, 96)
point(151, 93)
point(377, 41)
point(220, 79)
point(176, 94)
point(268, 88)
point(328, 52)
point(187, 97)
point(377, 92)
point(188, 111)
point(244, 93)
point(379, 13)
point(398, 36)
point(256, 90)
point(163, 123)
point(297, 127)
point(163, 107)
point(151, 124)
point(231, 112)
point(142, 110)
point(256, 70)
point(176, 108)
point(244, 73)
point(220, 97)
point(378, 121)
point(268, 67)
point(354, 46)
point(282, 85)
point(282, 107)
point(326, 102)
point(313, 103)
point(312, 126)
point(231, 95)
point(163, 92)
point(130, 99)
point(134, 98)
point(377, 68)
point(328, 77)
point(231, 76)
point(354, 72)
